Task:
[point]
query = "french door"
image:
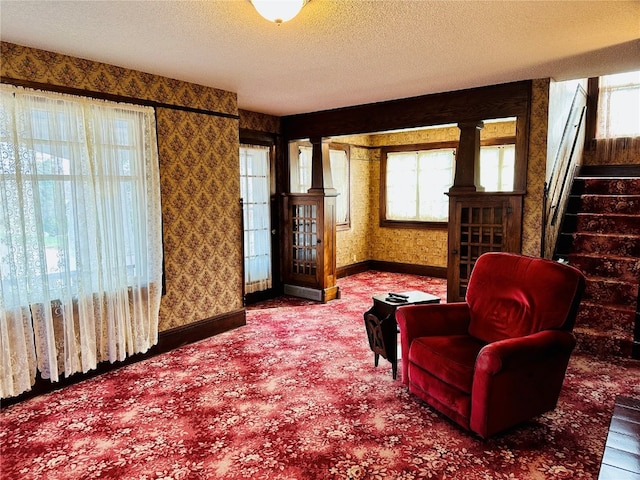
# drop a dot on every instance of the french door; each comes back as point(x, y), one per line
point(255, 191)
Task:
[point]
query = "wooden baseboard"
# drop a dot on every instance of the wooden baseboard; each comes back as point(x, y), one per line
point(353, 269)
point(167, 340)
point(410, 268)
point(196, 331)
point(395, 267)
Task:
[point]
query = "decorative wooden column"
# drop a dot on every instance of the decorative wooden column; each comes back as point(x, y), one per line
point(310, 233)
point(479, 221)
point(467, 175)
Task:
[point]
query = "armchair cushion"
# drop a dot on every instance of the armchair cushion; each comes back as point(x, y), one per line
point(444, 319)
point(452, 358)
point(536, 301)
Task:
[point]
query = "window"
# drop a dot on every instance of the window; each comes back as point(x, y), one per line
point(80, 233)
point(619, 106)
point(300, 168)
point(300, 165)
point(339, 159)
point(415, 183)
point(497, 168)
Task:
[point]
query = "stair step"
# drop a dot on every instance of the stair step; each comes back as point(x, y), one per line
point(607, 185)
point(602, 344)
point(601, 244)
point(603, 223)
point(612, 292)
point(591, 203)
point(606, 318)
point(621, 268)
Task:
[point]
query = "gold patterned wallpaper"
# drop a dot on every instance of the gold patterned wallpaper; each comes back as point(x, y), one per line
point(536, 168)
point(198, 169)
point(353, 245)
point(259, 122)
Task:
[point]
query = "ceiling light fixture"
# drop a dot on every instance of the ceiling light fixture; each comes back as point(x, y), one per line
point(279, 11)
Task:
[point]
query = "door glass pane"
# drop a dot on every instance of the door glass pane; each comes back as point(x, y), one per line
point(255, 191)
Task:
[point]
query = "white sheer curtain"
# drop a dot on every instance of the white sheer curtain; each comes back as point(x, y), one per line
point(255, 191)
point(80, 234)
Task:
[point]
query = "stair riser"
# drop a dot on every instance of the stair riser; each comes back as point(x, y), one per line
point(618, 321)
point(607, 224)
point(619, 246)
point(624, 205)
point(616, 293)
point(603, 345)
point(621, 269)
point(608, 186)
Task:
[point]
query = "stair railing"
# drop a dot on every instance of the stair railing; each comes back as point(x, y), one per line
point(558, 188)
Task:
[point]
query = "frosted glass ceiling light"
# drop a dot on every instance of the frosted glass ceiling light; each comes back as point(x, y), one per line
point(278, 11)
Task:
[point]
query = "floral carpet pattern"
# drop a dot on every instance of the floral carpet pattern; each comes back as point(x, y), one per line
point(295, 395)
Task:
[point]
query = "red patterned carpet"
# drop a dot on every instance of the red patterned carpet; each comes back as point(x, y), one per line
point(295, 395)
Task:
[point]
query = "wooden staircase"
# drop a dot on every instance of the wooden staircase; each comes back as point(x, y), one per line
point(600, 235)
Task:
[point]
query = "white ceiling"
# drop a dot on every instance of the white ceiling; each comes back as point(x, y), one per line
point(337, 53)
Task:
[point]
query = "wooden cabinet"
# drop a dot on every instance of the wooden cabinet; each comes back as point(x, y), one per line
point(309, 260)
point(479, 222)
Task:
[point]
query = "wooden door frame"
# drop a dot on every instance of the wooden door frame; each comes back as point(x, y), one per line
point(273, 141)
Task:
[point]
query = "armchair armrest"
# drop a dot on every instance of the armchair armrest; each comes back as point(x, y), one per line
point(433, 319)
point(518, 378)
point(524, 351)
point(429, 320)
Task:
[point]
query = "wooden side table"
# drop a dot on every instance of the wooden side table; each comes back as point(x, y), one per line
point(382, 328)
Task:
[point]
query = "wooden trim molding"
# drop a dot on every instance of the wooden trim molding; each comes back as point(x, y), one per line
point(409, 268)
point(111, 97)
point(394, 267)
point(167, 340)
point(593, 91)
point(353, 269)
point(497, 101)
point(196, 331)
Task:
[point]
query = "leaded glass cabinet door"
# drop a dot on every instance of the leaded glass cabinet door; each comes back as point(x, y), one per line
point(304, 240)
point(309, 250)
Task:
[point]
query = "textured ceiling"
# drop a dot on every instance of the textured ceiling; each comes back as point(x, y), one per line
point(337, 53)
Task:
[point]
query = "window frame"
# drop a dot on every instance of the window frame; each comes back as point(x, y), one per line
point(591, 125)
point(422, 224)
point(501, 142)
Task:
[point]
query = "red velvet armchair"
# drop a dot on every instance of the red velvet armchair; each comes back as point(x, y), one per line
point(499, 358)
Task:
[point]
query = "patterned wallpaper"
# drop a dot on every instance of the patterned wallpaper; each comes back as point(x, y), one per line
point(259, 122)
point(536, 168)
point(198, 169)
point(353, 245)
point(199, 165)
point(40, 66)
